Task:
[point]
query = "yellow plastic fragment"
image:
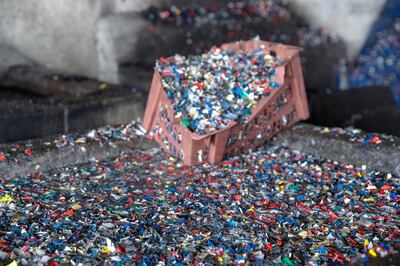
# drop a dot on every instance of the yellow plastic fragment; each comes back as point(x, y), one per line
point(372, 252)
point(76, 207)
point(325, 130)
point(6, 198)
point(281, 184)
point(303, 234)
point(192, 112)
point(226, 216)
point(369, 199)
point(103, 86)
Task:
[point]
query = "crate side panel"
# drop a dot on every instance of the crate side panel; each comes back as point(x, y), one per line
point(153, 101)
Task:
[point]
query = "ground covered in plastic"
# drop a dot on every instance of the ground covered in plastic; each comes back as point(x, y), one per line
point(273, 206)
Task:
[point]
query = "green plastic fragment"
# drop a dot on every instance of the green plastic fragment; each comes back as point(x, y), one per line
point(294, 187)
point(138, 208)
point(287, 261)
point(186, 123)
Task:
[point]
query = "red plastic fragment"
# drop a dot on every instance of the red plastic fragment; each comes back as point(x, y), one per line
point(68, 213)
point(226, 163)
point(27, 198)
point(166, 73)
point(120, 250)
point(118, 165)
point(375, 140)
point(265, 202)
point(28, 151)
point(199, 85)
point(386, 187)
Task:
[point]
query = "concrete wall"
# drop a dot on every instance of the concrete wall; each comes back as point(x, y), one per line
point(60, 34)
point(350, 19)
point(80, 36)
point(117, 37)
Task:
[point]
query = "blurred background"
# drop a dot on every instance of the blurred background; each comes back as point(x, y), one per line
point(66, 66)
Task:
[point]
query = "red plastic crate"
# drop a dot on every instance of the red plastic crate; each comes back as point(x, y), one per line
point(282, 108)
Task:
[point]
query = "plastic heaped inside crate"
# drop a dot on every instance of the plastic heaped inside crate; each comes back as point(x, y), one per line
point(282, 108)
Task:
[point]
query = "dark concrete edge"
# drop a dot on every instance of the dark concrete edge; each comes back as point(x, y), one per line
point(71, 117)
point(384, 157)
point(302, 137)
point(71, 155)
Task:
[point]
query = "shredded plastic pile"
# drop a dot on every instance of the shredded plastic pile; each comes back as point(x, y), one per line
point(234, 15)
point(224, 14)
point(210, 90)
point(273, 206)
point(107, 135)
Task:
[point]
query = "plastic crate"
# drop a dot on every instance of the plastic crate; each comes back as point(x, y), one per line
point(282, 108)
